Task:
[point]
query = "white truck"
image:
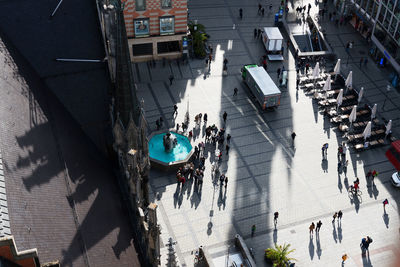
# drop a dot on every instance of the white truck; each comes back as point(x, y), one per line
point(273, 41)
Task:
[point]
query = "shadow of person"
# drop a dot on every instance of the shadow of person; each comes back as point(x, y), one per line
point(346, 183)
point(340, 234)
point(324, 165)
point(275, 236)
point(311, 248)
point(334, 234)
point(176, 195)
point(375, 191)
point(357, 201)
point(366, 260)
point(224, 200)
point(386, 218)
point(340, 186)
point(319, 250)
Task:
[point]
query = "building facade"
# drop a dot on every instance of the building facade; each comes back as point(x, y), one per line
point(378, 22)
point(155, 28)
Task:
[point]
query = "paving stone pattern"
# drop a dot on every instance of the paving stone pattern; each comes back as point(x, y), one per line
point(266, 172)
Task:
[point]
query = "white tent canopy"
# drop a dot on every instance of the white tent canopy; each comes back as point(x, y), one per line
point(388, 127)
point(315, 72)
point(336, 70)
point(340, 98)
point(349, 80)
point(373, 112)
point(360, 94)
point(353, 114)
point(367, 131)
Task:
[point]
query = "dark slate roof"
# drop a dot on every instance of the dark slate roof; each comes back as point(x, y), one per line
point(47, 157)
point(72, 33)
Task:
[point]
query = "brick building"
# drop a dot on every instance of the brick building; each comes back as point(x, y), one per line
point(155, 28)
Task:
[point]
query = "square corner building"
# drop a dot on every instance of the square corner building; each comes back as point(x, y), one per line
point(155, 28)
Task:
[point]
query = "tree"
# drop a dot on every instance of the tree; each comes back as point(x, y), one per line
point(279, 255)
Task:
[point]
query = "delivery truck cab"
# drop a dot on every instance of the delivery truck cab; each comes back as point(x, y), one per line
point(262, 86)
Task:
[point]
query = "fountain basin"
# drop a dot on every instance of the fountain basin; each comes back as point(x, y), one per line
point(177, 157)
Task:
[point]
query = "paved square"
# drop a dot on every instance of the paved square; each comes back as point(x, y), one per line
point(266, 173)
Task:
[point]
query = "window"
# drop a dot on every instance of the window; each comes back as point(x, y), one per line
point(141, 27)
point(168, 47)
point(166, 25)
point(142, 49)
point(381, 15)
point(166, 4)
point(140, 5)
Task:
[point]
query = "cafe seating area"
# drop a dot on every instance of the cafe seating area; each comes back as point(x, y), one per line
point(342, 104)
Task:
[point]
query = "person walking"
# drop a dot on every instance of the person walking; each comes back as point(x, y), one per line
point(319, 224)
point(205, 118)
point(312, 227)
point(309, 8)
point(334, 217)
point(293, 135)
point(175, 110)
point(344, 258)
point(385, 202)
point(255, 33)
point(278, 72)
point(307, 68)
point(326, 145)
point(235, 91)
point(361, 62)
point(276, 215)
point(227, 147)
point(253, 230)
point(171, 79)
point(158, 124)
point(340, 215)
point(241, 13)
point(262, 12)
point(226, 181)
point(224, 116)
point(222, 179)
point(228, 138)
point(365, 62)
point(259, 33)
point(259, 9)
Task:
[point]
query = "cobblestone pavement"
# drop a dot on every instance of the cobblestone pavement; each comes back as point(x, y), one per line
point(266, 173)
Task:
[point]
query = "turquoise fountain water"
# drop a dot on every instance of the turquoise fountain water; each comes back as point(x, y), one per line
point(180, 151)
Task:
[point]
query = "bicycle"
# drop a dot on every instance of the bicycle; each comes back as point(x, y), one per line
point(354, 192)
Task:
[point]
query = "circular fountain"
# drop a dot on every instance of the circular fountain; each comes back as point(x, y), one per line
point(169, 150)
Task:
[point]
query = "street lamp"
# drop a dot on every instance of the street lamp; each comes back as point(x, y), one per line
point(387, 92)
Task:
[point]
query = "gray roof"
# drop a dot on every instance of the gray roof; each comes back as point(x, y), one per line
point(62, 194)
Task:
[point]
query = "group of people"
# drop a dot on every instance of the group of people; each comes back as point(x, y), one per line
point(188, 172)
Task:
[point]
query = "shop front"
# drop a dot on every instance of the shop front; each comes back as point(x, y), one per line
point(361, 23)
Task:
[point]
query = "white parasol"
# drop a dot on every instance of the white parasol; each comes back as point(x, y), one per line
point(388, 127)
point(367, 131)
point(340, 98)
point(373, 112)
point(349, 80)
point(327, 85)
point(353, 114)
point(336, 70)
point(360, 94)
point(315, 72)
